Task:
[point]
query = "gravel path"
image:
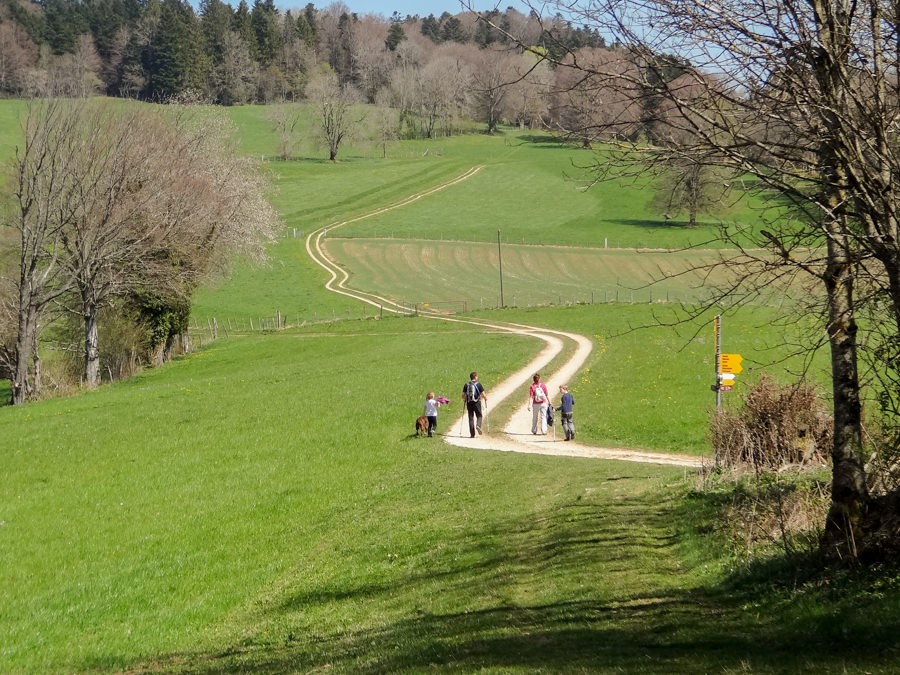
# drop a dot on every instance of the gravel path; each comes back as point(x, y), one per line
point(515, 434)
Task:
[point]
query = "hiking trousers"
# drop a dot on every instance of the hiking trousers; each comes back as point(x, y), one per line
point(473, 408)
point(539, 418)
point(568, 425)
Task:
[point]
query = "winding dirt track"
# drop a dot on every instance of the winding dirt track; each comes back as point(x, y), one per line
point(515, 434)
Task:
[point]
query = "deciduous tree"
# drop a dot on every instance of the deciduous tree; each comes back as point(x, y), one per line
point(115, 202)
point(804, 98)
point(41, 193)
point(334, 103)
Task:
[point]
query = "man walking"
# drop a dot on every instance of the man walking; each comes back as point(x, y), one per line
point(473, 394)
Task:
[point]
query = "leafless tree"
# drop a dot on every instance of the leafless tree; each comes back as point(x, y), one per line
point(335, 105)
point(18, 55)
point(41, 194)
point(690, 179)
point(442, 89)
point(597, 96)
point(114, 199)
point(528, 98)
point(386, 123)
point(802, 95)
point(373, 60)
point(284, 119)
point(493, 72)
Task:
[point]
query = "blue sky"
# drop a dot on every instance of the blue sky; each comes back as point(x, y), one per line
point(387, 7)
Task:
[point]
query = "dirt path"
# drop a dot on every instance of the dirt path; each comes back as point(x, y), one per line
point(513, 434)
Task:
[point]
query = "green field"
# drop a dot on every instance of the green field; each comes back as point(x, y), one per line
point(262, 505)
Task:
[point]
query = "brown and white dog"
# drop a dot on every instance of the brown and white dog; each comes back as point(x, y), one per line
point(422, 426)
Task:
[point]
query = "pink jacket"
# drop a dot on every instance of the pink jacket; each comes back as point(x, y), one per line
point(543, 387)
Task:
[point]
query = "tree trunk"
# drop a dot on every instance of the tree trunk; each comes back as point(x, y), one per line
point(25, 339)
point(849, 493)
point(36, 361)
point(91, 347)
point(185, 342)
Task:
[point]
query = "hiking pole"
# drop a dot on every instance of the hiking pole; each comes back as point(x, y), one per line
point(461, 420)
point(487, 421)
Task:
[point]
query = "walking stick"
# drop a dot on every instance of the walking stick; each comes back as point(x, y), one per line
point(462, 419)
point(487, 422)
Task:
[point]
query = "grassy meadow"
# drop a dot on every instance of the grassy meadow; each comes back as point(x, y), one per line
point(262, 505)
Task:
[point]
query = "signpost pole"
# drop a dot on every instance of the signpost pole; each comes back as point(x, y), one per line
point(727, 365)
point(718, 331)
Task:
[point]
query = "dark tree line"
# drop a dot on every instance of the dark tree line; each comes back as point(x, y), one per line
point(163, 49)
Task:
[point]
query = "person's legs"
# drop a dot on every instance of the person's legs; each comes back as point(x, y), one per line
point(470, 409)
point(535, 417)
point(432, 425)
point(543, 414)
point(568, 426)
point(478, 416)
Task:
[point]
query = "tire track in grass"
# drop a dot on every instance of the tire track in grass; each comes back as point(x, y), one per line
point(515, 433)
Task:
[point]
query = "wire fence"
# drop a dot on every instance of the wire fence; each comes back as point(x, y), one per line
point(204, 330)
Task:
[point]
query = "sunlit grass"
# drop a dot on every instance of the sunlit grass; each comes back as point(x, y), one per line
point(262, 505)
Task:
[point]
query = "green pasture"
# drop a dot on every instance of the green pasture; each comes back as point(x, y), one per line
point(264, 506)
point(647, 385)
point(559, 242)
point(534, 193)
point(10, 125)
point(531, 188)
point(469, 275)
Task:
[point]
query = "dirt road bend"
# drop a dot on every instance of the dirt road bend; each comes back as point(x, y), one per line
point(512, 434)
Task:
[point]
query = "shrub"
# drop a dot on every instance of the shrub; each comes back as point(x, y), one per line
point(774, 427)
point(772, 513)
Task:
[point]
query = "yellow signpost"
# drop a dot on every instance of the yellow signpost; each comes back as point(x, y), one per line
point(730, 363)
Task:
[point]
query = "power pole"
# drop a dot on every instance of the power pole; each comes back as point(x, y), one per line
point(500, 259)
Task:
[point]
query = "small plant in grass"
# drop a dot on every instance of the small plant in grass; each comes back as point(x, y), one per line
point(771, 512)
point(775, 427)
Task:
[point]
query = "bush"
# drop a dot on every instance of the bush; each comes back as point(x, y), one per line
point(775, 427)
point(770, 513)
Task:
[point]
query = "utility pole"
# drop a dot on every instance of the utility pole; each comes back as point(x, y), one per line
point(500, 259)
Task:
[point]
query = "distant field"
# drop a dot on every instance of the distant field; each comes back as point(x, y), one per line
point(529, 189)
point(417, 272)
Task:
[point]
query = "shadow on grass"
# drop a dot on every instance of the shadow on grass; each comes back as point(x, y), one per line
point(622, 601)
point(662, 224)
